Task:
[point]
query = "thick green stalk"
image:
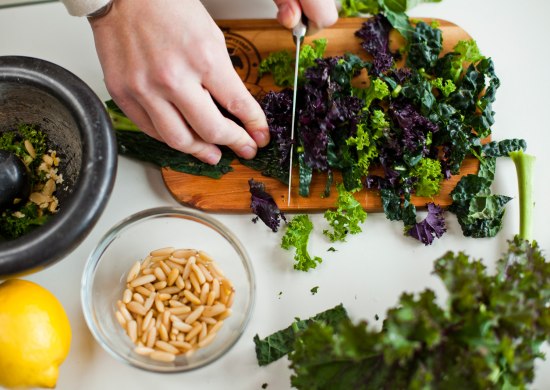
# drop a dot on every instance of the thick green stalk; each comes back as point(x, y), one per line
point(121, 122)
point(524, 168)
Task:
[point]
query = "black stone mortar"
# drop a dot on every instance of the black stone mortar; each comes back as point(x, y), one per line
point(78, 128)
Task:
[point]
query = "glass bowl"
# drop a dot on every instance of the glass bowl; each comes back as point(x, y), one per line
point(105, 279)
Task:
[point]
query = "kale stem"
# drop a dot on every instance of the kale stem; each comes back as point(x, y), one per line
point(524, 168)
point(121, 122)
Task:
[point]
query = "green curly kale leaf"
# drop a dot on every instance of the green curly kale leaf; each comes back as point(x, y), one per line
point(281, 63)
point(297, 236)
point(346, 218)
point(487, 335)
point(429, 177)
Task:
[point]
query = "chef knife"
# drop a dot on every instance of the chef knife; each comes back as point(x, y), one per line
point(298, 33)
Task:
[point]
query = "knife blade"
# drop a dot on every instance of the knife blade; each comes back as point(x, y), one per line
point(298, 33)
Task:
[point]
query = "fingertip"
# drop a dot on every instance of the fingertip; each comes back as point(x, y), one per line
point(261, 137)
point(287, 16)
point(210, 156)
point(247, 151)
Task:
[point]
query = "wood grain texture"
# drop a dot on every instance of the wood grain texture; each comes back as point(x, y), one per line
point(248, 42)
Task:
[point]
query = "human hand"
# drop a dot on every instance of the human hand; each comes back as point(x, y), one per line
point(321, 13)
point(165, 64)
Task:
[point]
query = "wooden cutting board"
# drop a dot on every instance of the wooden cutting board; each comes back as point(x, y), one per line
point(248, 42)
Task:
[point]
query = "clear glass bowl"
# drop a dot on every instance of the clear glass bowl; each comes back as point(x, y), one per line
point(105, 272)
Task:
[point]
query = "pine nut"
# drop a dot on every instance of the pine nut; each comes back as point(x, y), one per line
point(127, 296)
point(162, 356)
point(133, 273)
point(174, 302)
point(212, 311)
point(172, 276)
point(132, 330)
point(167, 347)
point(151, 337)
point(136, 307)
point(206, 340)
point(192, 297)
point(182, 326)
point(138, 298)
point(143, 291)
point(159, 273)
point(194, 315)
point(162, 251)
point(145, 351)
point(139, 281)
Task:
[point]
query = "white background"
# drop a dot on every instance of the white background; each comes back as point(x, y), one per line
point(368, 273)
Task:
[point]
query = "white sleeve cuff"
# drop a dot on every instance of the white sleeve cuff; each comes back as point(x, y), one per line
point(83, 7)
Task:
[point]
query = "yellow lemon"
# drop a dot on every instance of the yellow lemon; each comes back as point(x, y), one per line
point(35, 335)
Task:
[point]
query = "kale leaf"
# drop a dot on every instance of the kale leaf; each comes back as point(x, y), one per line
point(264, 206)
point(431, 227)
point(297, 236)
point(427, 173)
point(479, 212)
point(346, 218)
point(278, 344)
point(374, 34)
point(425, 44)
point(281, 63)
point(139, 145)
point(486, 336)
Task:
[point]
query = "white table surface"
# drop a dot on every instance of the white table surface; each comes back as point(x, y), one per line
point(367, 273)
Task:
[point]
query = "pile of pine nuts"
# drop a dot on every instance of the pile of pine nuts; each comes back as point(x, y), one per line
point(175, 301)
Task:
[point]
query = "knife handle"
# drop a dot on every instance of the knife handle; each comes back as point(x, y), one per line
point(299, 31)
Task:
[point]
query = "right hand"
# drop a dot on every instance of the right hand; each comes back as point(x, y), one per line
point(320, 13)
point(165, 64)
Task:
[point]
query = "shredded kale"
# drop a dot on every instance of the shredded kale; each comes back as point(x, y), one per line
point(280, 64)
point(16, 225)
point(417, 123)
point(21, 218)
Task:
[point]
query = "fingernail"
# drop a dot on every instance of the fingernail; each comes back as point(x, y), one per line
point(260, 137)
point(213, 158)
point(247, 151)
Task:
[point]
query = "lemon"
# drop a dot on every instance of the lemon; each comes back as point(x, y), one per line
point(35, 335)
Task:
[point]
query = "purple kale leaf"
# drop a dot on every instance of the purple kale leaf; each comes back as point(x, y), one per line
point(326, 106)
point(277, 107)
point(432, 226)
point(375, 34)
point(264, 206)
point(415, 127)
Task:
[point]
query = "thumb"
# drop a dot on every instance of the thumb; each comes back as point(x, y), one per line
point(289, 12)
